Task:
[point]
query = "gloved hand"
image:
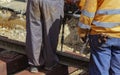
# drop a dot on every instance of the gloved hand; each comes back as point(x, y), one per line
point(83, 33)
point(102, 38)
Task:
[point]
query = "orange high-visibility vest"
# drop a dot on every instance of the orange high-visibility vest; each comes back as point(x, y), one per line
point(101, 16)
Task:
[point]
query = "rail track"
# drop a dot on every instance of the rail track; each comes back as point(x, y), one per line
point(67, 58)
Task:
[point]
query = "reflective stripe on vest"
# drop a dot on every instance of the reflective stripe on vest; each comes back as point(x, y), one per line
point(83, 26)
point(88, 14)
point(105, 24)
point(109, 12)
point(98, 23)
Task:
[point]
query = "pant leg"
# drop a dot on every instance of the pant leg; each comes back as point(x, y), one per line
point(100, 57)
point(34, 32)
point(51, 29)
point(115, 60)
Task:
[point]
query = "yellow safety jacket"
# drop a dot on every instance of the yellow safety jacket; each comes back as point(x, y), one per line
point(101, 16)
point(81, 4)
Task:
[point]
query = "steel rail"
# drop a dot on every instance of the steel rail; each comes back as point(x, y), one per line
point(66, 58)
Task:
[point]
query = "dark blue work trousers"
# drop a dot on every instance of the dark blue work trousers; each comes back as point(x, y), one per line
point(105, 56)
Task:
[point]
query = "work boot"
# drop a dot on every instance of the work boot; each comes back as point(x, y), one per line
point(34, 69)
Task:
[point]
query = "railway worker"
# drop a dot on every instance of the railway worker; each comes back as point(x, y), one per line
point(43, 26)
point(101, 19)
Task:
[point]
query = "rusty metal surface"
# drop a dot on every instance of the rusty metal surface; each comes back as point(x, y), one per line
point(14, 61)
point(3, 70)
point(26, 72)
point(59, 70)
point(72, 69)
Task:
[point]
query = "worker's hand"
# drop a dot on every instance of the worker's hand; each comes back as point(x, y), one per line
point(102, 38)
point(83, 33)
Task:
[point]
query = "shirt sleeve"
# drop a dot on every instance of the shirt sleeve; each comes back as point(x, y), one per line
point(81, 4)
point(87, 15)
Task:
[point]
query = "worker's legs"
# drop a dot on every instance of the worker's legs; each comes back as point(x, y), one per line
point(115, 59)
point(43, 26)
point(100, 56)
point(34, 33)
point(52, 21)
